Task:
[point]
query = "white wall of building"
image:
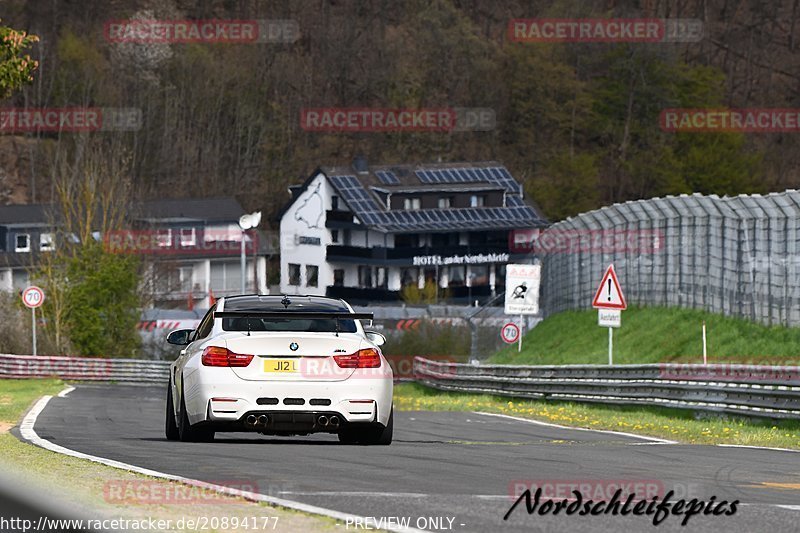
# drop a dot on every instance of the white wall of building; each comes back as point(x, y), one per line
point(306, 218)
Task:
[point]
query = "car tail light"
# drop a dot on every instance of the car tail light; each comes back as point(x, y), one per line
point(218, 356)
point(367, 358)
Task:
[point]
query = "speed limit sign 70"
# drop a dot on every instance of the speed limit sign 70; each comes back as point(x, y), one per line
point(33, 297)
point(510, 333)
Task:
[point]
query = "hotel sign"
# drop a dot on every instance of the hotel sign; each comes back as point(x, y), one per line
point(467, 259)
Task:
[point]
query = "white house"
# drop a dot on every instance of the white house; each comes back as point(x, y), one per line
point(363, 233)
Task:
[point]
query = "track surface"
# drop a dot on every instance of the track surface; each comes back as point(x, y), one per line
point(457, 465)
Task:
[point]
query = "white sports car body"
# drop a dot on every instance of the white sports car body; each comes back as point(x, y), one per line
point(280, 365)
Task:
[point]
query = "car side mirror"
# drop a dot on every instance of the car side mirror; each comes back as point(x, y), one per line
point(181, 337)
point(376, 338)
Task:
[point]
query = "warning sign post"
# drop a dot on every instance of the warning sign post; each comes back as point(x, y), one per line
point(609, 302)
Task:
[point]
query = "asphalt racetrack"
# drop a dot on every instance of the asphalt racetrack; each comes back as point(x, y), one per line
point(445, 471)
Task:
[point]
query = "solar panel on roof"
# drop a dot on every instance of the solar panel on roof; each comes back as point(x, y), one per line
point(387, 177)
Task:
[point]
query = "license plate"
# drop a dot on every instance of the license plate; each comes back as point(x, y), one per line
point(280, 365)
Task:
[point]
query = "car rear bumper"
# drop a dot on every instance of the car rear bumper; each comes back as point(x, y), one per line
point(224, 398)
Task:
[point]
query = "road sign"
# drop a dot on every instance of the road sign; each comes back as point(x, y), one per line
point(522, 289)
point(510, 333)
point(609, 293)
point(33, 297)
point(609, 318)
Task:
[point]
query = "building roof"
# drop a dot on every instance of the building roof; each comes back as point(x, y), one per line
point(189, 209)
point(31, 214)
point(358, 190)
point(177, 210)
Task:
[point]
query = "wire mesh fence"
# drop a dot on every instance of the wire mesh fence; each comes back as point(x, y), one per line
point(733, 255)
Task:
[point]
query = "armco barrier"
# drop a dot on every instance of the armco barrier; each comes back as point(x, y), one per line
point(84, 368)
point(126, 370)
point(752, 390)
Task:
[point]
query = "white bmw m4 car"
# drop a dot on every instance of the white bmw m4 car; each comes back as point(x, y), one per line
point(280, 365)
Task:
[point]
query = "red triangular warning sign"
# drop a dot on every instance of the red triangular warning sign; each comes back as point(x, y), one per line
point(609, 293)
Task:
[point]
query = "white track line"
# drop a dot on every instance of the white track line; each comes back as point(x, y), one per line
point(757, 447)
point(654, 440)
point(67, 390)
point(29, 434)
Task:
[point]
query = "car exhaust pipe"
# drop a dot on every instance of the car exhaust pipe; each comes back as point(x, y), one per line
point(334, 421)
point(262, 420)
point(250, 420)
point(322, 420)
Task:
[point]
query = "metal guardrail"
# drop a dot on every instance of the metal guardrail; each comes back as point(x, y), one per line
point(84, 369)
point(751, 390)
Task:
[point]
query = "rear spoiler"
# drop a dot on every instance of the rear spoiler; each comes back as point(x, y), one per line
point(341, 315)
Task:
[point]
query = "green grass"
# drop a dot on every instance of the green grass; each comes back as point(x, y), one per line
point(82, 484)
point(17, 395)
point(673, 424)
point(653, 335)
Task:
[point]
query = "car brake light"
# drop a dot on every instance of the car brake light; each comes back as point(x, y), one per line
point(218, 356)
point(367, 358)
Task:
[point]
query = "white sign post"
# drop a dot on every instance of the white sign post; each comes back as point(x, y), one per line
point(33, 297)
point(522, 292)
point(609, 302)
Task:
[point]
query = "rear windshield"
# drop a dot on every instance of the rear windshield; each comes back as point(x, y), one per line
point(288, 324)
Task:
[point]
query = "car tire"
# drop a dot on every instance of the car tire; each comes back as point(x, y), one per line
point(189, 433)
point(348, 436)
point(380, 436)
point(170, 425)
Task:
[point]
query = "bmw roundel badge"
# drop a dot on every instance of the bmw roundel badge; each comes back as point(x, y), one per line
point(294, 346)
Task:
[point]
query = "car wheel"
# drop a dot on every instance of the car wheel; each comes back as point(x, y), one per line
point(170, 426)
point(348, 436)
point(187, 433)
point(381, 436)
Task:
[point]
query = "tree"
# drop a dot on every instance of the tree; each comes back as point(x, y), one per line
point(16, 67)
point(93, 301)
point(104, 305)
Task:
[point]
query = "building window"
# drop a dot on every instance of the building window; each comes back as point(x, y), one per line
point(381, 278)
point(411, 204)
point(312, 275)
point(185, 274)
point(409, 276)
point(22, 243)
point(365, 276)
point(188, 237)
point(226, 276)
point(477, 200)
point(456, 275)
point(334, 203)
point(334, 235)
point(445, 202)
point(338, 278)
point(479, 275)
point(294, 274)
point(164, 238)
point(46, 242)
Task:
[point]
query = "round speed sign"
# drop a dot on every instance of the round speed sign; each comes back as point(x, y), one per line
point(510, 333)
point(33, 296)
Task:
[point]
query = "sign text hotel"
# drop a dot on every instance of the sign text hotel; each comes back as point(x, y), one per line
point(476, 259)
